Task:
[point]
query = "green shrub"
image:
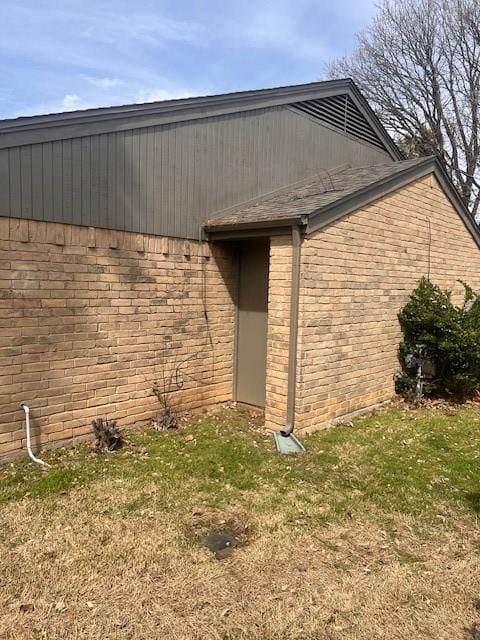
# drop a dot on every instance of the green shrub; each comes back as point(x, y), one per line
point(404, 384)
point(447, 337)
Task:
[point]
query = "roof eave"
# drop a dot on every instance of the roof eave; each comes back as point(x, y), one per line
point(59, 126)
point(177, 104)
point(374, 121)
point(33, 129)
point(273, 227)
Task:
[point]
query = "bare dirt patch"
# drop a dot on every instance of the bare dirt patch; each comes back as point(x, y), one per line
point(220, 532)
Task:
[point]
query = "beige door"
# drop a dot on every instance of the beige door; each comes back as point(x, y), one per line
point(252, 317)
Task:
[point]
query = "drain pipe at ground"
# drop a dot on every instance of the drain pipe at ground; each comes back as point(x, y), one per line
point(26, 409)
point(292, 347)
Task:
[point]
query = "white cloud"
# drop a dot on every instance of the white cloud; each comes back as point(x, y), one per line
point(278, 30)
point(151, 28)
point(279, 27)
point(71, 102)
point(74, 102)
point(155, 95)
point(103, 83)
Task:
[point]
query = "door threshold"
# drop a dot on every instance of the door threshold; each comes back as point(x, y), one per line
point(248, 405)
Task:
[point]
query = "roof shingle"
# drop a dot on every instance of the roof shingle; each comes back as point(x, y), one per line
point(310, 196)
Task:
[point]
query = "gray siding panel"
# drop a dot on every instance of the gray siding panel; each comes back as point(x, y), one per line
point(143, 180)
point(36, 178)
point(85, 181)
point(5, 207)
point(102, 214)
point(55, 183)
point(95, 142)
point(26, 183)
point(62, 173)
point(14, 178)
point(119, 181)
point(111, 179)
point(168, 179)
point(128, 216)
point(76, 160)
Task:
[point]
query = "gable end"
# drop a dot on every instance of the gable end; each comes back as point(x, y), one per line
point(363, 197)
point(342, 114)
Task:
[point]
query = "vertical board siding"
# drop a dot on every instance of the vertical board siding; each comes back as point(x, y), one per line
point(76, 162)
point(37, 170)
point(169, 179)
point(65, 195)
point(26, 183)
point(85, 181)
point(119, 187)
point(14, 178)
point(5, 206)
point(59, 185)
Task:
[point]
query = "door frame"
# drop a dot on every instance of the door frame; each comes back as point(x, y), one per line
point(235, 337)
point(267, 240)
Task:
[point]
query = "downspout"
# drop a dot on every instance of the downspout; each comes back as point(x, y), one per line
point(26, 409)
point(292, 347)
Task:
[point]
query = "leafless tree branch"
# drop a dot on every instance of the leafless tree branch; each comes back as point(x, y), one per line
point(418, 64)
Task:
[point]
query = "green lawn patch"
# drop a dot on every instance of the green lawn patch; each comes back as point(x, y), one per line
point(413, 462)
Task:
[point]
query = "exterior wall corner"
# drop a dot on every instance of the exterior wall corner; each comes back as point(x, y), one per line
point(278, 333)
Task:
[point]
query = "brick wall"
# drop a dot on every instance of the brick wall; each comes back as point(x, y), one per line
point(356, 275)
point(86, 316)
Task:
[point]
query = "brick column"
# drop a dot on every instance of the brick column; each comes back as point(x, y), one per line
point(279, 294)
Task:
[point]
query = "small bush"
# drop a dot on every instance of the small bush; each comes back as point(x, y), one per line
point(404, 384)
point(448, 338)
point(167, 418)
point(107, 434)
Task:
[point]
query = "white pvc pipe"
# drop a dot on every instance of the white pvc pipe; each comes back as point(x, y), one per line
point(26, 408)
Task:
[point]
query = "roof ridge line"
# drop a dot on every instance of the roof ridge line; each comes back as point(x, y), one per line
point(304, 181)
point(136, 108)
point(365, 188)
point(378, 184)
point(77, 124)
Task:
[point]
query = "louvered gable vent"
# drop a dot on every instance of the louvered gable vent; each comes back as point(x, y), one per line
point(340, 112)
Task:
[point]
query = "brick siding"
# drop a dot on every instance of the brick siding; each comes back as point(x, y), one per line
point(87, 316)
point(356, 275)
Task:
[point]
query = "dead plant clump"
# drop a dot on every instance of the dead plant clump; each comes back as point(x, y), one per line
point(77, 568)
point(107, 435)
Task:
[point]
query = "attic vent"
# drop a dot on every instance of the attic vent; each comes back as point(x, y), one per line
point(341, 113)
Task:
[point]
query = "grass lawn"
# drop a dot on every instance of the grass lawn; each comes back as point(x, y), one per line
point(372, 534)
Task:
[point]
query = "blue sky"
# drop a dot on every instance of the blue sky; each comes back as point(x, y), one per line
point(71, 54)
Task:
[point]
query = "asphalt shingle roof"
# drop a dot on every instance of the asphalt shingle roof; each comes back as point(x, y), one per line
point(310, 196)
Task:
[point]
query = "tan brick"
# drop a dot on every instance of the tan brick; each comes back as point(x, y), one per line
point(80, 337)
point(19, 230)
point(356, 275)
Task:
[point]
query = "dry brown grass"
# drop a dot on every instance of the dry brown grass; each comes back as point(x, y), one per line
point(92, 571)
point(373, 534)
